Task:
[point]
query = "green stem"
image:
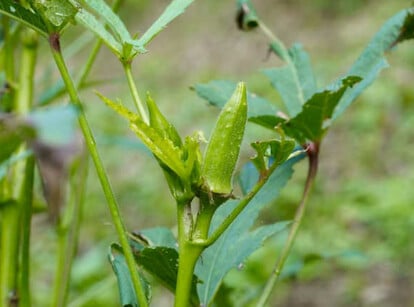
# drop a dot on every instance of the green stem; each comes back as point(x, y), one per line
point(313, 153)
point(68, 231)
point(276, 44)
point(26, 218)
point(233, 215)
point(188, 255)
point(135, 96)
point(103, 178)
point(12, 236)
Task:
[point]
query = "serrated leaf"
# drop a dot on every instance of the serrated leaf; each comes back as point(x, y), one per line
point(372, 60)
point(57, 12)
point(295, 82)
point(161, 124)
point(218, 92)
point(16, 11)
point(312, 121)
point(277, 150)
point(113, 21)
point(237, 242)
point(91, 23)
point(162, 148)
point(174, 9)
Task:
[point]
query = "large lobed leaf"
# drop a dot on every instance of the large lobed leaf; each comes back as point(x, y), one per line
point(311, 123)
point(238, 242)
point(372, 60)
point(218, 92)
point(295, 81)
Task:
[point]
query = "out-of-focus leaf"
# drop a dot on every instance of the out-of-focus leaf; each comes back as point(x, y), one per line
point(4, 165)
point(238, 242)
point(13, 132)
point(218, 92)
point(372, 60)
point(126, 288)
point(312, 121)
point(17, 11)
point(174, 9)
point(55, 125)
point(295, 82)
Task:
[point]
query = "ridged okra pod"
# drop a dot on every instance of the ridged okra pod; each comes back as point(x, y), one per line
point(223, 148)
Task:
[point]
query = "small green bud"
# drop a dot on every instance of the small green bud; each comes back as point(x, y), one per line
point(223, 149)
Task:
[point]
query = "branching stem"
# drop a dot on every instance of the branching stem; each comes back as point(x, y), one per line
point(313, 154)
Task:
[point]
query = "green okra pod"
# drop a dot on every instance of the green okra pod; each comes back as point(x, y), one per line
point(223, 149)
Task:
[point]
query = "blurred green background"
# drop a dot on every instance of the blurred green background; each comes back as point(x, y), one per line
point(355, 246)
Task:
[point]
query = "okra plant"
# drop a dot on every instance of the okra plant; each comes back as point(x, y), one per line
point(214, 214)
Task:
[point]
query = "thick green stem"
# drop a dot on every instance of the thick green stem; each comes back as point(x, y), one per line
point(135, 96)
point(313, 153)
point(26, 218)
point(188, 255)
point(103, 178)
point(12, 232)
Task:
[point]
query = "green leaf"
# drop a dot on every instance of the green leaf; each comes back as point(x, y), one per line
point(161, 124)
point(126, 288)
point(372, 60)
point(155, 250)
point(295, 82)
point(162, 263)
point(162, 148)
point(57, 12)
point(114, 22)
point(55, 125)
point(174, 9)
point(277, 150)
point(312, 122)
point(16, 11)
point(91, 23)
point(218, 92)
point(237, 242)
point(158, 236)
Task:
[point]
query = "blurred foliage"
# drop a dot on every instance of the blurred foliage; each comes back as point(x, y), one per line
point(357, 232)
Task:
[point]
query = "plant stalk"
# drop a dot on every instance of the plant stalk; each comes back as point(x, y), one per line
point(68, 231)
point(102, 175)
point(188, 255)
point(313, 154)
point(135, 96)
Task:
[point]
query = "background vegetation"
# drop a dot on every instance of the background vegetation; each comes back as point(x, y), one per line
point(355, 246)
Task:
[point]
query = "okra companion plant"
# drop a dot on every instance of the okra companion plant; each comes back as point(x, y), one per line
point(213, 220)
